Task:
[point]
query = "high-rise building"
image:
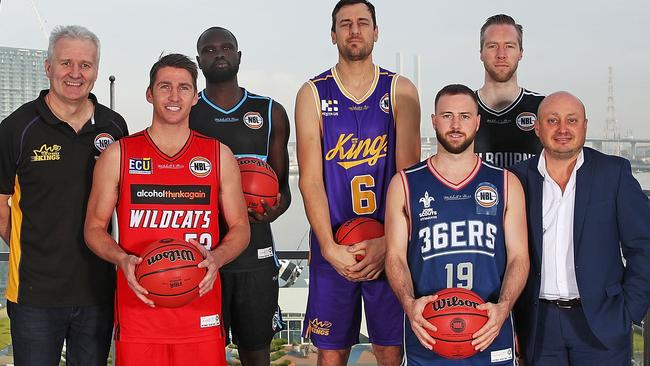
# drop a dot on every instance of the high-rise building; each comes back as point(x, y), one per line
point(22, 77)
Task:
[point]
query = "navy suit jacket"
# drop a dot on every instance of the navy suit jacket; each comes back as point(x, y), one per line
point(612, 216)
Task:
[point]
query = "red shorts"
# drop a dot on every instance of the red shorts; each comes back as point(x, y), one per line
point(181, 354)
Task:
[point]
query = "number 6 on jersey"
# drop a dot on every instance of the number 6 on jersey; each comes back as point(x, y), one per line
point(363, 199)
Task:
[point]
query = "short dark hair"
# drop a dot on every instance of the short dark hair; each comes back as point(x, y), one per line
point(219, 29)
point(503, 19)
point(174, 60)
point(456, 89)
point(343, 3)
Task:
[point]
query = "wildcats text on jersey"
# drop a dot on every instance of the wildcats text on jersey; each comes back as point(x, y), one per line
point(169, 219)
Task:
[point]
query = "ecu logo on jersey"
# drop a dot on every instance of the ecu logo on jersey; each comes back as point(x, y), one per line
point(253, 120)
point(200, 167)
point(140, 166)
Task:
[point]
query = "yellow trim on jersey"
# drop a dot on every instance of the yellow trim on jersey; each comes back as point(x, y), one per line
point(14, 244)
point(393, 96)
point(314, 92)
point(349, 95)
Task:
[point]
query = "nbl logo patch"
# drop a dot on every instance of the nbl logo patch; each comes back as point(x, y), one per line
point(384, 103)
point(487, 198)
point(140, 166)
point(103, 140)
point(200, 167)
point(253, 120)
point(526, 121)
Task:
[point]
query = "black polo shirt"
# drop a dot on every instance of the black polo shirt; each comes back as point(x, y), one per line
point(47, 169)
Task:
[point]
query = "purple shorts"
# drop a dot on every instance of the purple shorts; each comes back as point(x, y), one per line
point(333, 317)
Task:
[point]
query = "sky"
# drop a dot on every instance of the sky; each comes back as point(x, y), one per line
point(568, 45)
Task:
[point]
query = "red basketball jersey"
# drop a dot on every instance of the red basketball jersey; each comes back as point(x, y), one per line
point(167, 197)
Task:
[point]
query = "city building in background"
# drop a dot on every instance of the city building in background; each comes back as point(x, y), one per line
point(22, 77)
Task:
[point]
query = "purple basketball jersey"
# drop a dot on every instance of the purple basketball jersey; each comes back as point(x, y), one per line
point(358, 140)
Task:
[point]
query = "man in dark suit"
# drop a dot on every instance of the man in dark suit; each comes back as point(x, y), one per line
point(584, 210)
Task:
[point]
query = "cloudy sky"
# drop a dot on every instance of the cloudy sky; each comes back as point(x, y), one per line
point(567, 45)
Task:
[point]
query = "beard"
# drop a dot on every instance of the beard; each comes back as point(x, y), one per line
point(455, 149)
point(501, 77)
point(355, 53)
point(217, 75)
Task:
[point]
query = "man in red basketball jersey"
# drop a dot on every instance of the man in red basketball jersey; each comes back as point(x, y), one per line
point(168, 181)
point(453, 221)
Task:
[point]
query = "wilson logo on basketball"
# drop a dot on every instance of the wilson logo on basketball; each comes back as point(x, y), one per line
point(103, 140)
point(526, 121)
point(486, 196)
point(453, 302)
point(172, 256)
point(253, 120)
point(352, 151)
point(200, 167)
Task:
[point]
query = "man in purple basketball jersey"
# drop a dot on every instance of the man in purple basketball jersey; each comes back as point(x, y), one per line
point(356, 125)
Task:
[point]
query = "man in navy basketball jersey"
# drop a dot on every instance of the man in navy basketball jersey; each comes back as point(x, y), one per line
point(456, 221)
point(252, 126)
point(356, 124)
point(508, 112)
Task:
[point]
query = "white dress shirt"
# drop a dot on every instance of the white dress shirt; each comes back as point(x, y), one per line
point(558, 265)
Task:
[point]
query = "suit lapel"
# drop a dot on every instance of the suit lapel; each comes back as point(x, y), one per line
point(584, 182)
point(535, 188)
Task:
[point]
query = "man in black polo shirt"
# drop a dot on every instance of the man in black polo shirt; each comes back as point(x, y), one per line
point(57, 288)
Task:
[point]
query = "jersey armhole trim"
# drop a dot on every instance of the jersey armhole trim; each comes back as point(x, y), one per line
point(123, 166)
point(407, 200)
point(268, 137)
point(314, 92)
point(393, 97)
point(505, 193)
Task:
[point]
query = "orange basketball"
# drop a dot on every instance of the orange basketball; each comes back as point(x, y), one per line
point(258, 182)
point(455, 315)
point(169, 272)
point(357, 230)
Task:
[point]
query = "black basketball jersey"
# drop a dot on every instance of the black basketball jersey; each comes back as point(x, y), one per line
point(507, 137)
point(246, 130)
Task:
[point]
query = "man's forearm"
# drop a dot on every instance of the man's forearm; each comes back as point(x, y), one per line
point(233, 244)
point(399, 278)
point(103, 245)
point(514, 281)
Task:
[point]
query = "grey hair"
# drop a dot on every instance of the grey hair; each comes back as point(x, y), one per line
point(71, 32)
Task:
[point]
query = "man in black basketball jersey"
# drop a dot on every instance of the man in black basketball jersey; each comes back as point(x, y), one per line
point(508, 111)
point(252, 126)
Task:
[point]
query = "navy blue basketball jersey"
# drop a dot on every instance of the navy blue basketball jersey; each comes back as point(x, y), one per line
point(246, 130)
point(457, 240)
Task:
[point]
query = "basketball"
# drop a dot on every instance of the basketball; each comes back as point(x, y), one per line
point(455, 315)
point(258, 182)
point(169, 272)
point(357, 230)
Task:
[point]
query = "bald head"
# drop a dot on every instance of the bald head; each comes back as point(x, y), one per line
point(562, 98)
point(561, 126)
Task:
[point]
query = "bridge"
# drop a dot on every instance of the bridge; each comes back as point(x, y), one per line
point(429, 143)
